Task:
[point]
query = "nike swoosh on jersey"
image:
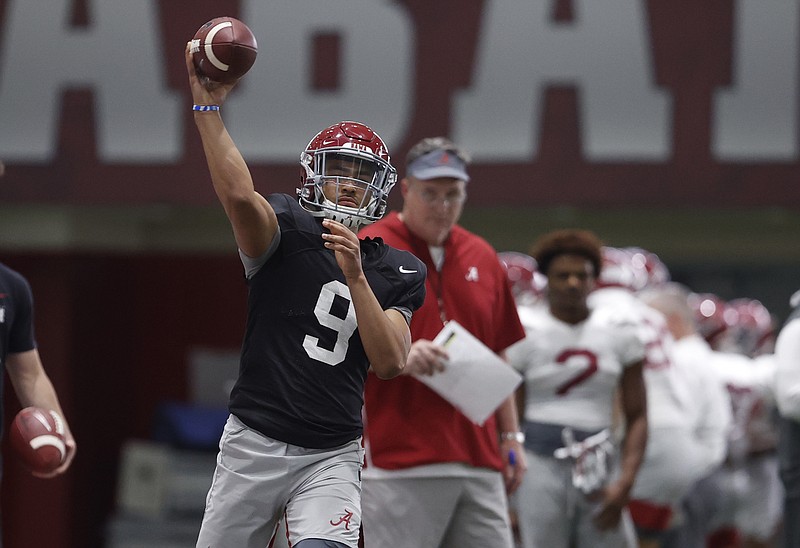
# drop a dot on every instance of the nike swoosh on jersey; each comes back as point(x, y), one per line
point(404, 270)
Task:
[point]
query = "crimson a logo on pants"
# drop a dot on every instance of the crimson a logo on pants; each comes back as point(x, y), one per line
point(344, 519)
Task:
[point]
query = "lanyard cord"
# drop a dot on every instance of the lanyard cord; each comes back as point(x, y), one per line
point(436, 283)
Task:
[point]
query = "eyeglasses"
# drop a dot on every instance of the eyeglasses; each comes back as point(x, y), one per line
point(433, 198)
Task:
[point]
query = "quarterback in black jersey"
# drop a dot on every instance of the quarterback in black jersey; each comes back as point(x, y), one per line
point(323, 308)
point(302, 370)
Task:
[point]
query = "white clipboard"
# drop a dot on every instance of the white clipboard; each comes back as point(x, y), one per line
point(475, 380)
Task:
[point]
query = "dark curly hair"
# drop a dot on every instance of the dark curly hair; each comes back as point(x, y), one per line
point(569, 240)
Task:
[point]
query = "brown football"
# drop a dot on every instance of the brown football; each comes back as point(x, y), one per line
point(224, 49)
point(37, 436)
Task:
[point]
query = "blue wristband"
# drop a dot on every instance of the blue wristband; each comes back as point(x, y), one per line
point(205, 108)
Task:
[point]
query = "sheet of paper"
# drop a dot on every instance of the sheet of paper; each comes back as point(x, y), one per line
point(476, 380)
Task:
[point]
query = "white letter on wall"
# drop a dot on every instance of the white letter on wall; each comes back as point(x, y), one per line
point(118, 57)
point(757, 118)
point(604, 53)
point(276, 112)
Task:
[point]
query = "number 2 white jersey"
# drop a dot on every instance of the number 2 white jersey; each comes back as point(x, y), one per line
point(572, 371)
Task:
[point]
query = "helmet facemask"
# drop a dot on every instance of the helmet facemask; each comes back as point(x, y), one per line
point(347, 185)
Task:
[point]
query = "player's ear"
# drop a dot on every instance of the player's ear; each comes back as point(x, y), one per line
point(404, 186)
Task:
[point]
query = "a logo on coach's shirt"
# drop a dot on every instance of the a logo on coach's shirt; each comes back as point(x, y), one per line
point(472, 274)
point(345, 519)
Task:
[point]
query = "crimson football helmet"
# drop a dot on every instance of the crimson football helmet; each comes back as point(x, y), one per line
point(526, 282)
point(750, 328)
point(620, 269)
point(346, 175)
point(655, 269)
point(709, 316)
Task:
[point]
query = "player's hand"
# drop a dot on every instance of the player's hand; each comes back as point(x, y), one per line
point(425, 358)
point(347, 247)
point(204, 91)
point(609, 509)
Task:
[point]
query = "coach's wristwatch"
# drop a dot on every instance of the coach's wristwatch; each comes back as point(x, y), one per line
point(518, 436)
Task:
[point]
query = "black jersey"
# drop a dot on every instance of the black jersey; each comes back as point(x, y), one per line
point(303, 366)
point(16, 317)
point(16, 314)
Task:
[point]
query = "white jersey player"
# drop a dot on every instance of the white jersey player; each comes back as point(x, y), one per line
point(574, 363)
point(572, 371)
point(787, 360)
point(738, 498)
point(787, 356)
point(676, 456)
point(749, 484)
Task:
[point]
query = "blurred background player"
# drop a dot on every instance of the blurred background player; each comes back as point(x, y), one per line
point(749, 328)
point(528, 285)
point(787, 356)
point(709, 314)
point(756, 485)
point(433, 478)
point(748, 489)
point(20, 357)
point(669, 468)
point(323, 308)
point(736, 504)
point(708, 416)
point(574, 363)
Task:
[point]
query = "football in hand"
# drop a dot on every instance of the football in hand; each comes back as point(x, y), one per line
point(223, 50)
point(37, 436)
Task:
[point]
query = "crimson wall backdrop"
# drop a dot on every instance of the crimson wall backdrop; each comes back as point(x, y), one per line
point(601, 102)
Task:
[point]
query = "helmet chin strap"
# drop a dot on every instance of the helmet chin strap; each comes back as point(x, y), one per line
point(328, 210)
point(350, 221)
point(353, 220)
